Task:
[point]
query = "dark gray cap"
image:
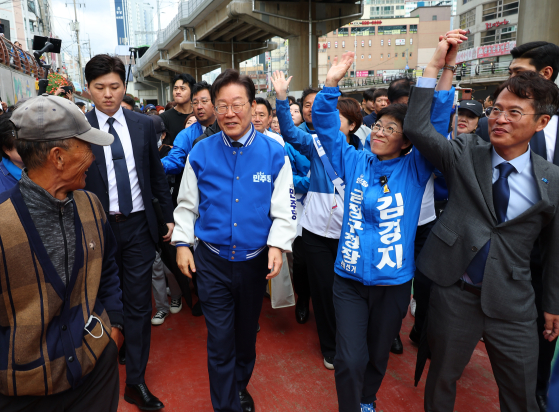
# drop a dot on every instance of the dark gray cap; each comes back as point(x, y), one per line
point(45, 118)
point(473, 106)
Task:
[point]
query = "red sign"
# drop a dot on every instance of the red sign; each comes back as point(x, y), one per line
point(362, 73)
point(495, 49)
point(496, 24)
point(324, 46)
point(365, 22)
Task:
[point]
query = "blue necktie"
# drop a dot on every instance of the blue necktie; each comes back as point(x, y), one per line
point(121, 172)
point(501, 195)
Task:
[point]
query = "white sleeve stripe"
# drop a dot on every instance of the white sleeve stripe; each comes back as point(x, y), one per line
point(186, 213)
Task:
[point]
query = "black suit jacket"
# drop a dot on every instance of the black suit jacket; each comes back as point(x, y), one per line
point(151, 176)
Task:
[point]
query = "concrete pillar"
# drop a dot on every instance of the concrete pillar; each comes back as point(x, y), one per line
point(537, 20)
point(299, 60)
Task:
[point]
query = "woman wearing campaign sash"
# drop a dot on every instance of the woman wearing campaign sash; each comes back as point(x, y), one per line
point(322, 215)
point(375, 260)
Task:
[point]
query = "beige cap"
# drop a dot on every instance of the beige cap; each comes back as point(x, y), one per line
point(46, 117)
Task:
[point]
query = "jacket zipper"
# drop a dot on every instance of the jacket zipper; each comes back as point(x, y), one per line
point(61, 221)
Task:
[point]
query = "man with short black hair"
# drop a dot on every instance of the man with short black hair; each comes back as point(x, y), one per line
point(128, 102)
point(380, 101)
point(175, 117)
point(237, 198)
point(126, 176)
point(367, 105)
point(262, 117)
point(81, 105)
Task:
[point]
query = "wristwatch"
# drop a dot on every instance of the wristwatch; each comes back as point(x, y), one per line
point(451, 68)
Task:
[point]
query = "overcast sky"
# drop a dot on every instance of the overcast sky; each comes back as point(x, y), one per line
point(97, 19)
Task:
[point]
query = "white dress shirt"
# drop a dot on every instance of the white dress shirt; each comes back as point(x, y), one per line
point(121, 129)
point(550, 132)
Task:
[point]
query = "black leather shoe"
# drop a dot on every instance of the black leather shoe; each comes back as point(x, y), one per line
point(542, 402)
point(247, 403)
point(197, 309)
point(302, 311)
point(140, 396)
point(122, 354)
point(397, 346)
point(414, 336)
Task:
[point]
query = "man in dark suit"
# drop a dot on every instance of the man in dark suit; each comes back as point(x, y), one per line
point(126, 176)
point(543, 58)
point(503, 197)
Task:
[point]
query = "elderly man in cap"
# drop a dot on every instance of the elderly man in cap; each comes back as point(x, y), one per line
point(61, 308)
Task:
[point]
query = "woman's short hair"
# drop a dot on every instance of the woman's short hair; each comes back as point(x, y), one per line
point(351, 110)
point(231, 76)
point(187, 119)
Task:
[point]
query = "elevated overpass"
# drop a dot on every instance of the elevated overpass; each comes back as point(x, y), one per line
point(208, 34)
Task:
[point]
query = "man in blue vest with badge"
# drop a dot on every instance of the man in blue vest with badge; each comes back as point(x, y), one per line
point(237, 198)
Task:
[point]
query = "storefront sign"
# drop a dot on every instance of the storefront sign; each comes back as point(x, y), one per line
point(400, 42)
point(365, 22)
point(496, 24)
point(362, 73)
point(499, 49)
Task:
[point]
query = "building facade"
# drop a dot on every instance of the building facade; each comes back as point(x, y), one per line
point(24, 19)
point(385, 9)
point(385, 47)
point(492, 30)
point(134, 23)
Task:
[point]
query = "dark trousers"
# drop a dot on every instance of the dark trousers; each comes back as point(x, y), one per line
point(231, 294)
point(321, 255)
point(134, 257)
point(368, 319)
point(456, 323)
point(98, 392)
point(547, 349)
point(300, 275)
point(421, 284)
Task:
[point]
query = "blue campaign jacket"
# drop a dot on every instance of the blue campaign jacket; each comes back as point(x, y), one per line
point(237, 195)
point(175, 160)
point(300, 167)
point(377, 239)
point(7, 180)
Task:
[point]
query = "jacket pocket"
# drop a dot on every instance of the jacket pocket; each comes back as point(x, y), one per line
point(444, 233)
point(521, 273)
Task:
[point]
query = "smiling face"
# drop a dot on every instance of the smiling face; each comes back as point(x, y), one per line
point(107, 92)
point(307, 107)
point(261, 118)
point(467, 122)
point(275, 125)
point(513, 137)
point(234, 125)
point(388, 147)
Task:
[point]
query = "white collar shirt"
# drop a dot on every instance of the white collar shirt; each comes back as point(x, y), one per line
point(121, 129)
point(550, 132)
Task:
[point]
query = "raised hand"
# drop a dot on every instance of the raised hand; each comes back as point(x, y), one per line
point(447, 48)
point(339, 69)
point(280, 84)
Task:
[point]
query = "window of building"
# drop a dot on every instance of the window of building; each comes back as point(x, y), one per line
point(362, 43)
point(434, 18)
point(343, 44)
point(499, 9)
point(410, 54)
point(355, 43)
point(468, 19)
point(362, 57)
point(413, 28)
point(403, 29)
point(371, 73)
point(344, 31)
point(468, 44)
point(369, 56)
point(508, 34)
point(362, 31)
point(510, 7)
point(336, 44)
point(395, 54)
point(489, 11)
point(488, 37)
point(411, 42)
point(388, 55)
point(466, 1)
point(328, 44)
point(381, 56)
point(370, 43)
point(382, 42)
point(389, 41)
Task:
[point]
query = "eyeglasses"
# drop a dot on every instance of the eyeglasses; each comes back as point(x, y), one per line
point(510, 116)
point(202, 102)
point(387, 131)
point(236, 107)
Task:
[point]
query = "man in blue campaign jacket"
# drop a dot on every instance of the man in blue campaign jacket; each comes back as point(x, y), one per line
point(237, 198)
point(383, 196)
point(203, 109)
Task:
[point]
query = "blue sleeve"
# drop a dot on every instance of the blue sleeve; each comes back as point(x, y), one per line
point(175, 160)
point(109, 293)
point(300, 140)
point(326, 121)
point(300, 166)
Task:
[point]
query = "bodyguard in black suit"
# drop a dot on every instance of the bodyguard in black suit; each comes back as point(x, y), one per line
point(126, 177)
point(543, 58)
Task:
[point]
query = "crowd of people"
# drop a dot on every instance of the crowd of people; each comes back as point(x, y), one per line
point(198, 201)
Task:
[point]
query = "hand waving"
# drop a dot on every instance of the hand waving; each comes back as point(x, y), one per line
point(339, 69)
point(280, 84)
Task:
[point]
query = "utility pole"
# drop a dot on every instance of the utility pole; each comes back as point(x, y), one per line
point(77, 29)
point(158, 16)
